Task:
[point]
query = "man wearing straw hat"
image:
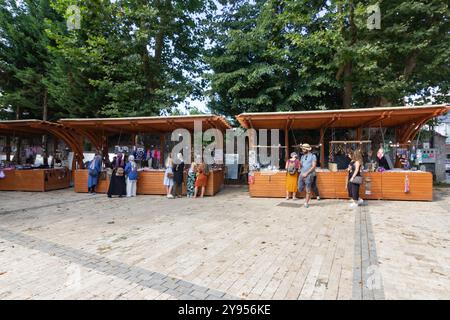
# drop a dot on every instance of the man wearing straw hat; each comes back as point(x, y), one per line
point(308, 164)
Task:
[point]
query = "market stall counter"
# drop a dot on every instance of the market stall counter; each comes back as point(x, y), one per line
point(387, 185)
point(150, 182)
point(35, 179)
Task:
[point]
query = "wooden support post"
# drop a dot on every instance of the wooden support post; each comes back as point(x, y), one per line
point(104, 151)
point(55, 145)
point(8, 148)
point(322, 147)
point(162, 147)
point(18, 147)
point(286, 142)
point(359, 133)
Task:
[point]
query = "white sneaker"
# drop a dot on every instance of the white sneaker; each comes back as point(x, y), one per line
point(306, 205)
point(318, 198)
point(170, 196)
point(360, 202)
point(353, 205)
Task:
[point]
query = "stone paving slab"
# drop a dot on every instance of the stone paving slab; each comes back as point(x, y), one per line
point(64, 245)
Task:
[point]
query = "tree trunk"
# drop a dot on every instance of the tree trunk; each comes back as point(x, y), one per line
point(45, 106)
point(44, 117)
point(410, 63)
point(348, 86)
point(348, 67)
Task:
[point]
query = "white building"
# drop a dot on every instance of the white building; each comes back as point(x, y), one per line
point(444, 127)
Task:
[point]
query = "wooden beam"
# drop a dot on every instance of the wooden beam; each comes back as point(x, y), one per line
point(286, 139)
point(322, 147)
point(8, 148)
point(358, 133)
point(378, 119)
point(162, 144)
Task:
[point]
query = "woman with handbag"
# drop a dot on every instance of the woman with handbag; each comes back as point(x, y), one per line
point(355, 178)
point(292, 168)
point(117, 184)
point(168, 178)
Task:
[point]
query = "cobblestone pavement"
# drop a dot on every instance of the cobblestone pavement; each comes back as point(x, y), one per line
point(63, 245)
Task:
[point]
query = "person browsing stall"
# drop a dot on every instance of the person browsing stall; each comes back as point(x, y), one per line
point(132, 176)
point(292, 168)
point(355, 178)
point(308, 163)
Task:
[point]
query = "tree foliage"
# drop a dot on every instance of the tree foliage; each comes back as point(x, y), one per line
point(145, 57)
point(299, 55)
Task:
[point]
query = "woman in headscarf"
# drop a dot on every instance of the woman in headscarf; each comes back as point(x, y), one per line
point(117, 184)
point(132, 175)
point(178, 170)
point(292, 167)
point(94, 169)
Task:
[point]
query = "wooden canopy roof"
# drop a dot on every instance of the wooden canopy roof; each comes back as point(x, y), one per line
point(162, 124)
point(34, 127)
point(342, 118)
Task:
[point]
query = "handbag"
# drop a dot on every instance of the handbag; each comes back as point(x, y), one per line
point(170, 175)
point(2, 174)
point(357, 180)
point(119, 172)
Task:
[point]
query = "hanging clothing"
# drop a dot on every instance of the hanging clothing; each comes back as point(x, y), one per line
point(139, 154)
point(148, 158)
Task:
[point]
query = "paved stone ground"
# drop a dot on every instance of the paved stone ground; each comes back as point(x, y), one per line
point(63, 245)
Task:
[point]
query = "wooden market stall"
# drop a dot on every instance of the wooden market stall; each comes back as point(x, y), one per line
point(99, 130)
point(17, 177)
point(390, 184)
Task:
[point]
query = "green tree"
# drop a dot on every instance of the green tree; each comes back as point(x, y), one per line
point(25, 61)
point(134, 57)
point(298, 55)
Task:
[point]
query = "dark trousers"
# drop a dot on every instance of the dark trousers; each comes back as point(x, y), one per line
point(353, 190)
point(177, 188)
